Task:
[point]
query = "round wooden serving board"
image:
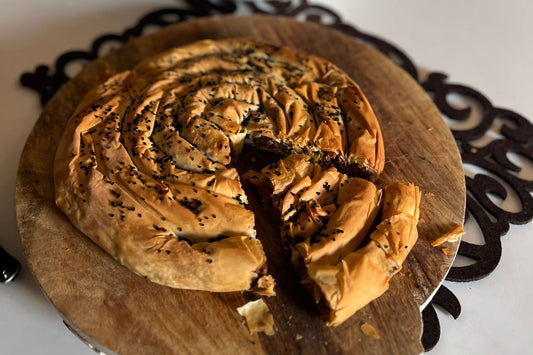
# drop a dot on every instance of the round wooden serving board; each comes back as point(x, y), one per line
point(119, 311)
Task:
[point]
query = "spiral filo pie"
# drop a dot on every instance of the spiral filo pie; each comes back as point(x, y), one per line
point(144, 167)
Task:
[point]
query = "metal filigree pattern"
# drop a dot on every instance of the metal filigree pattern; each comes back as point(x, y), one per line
point(499, 176)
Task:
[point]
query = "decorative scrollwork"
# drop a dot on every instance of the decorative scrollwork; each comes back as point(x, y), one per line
point(47, 82)
point(500, 174)
point(446, 299)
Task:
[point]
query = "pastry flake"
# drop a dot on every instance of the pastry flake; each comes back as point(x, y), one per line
point(454, 235)
point(258, 317)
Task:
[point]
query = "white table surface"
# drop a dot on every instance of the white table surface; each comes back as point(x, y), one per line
point(487, 45)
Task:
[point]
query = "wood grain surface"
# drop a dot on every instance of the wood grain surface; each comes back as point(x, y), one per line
point(124, 313)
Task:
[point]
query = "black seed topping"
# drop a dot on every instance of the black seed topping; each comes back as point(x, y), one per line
point(160, 229)
point(192, 205)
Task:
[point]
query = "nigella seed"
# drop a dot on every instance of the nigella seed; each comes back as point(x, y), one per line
point(159, 229)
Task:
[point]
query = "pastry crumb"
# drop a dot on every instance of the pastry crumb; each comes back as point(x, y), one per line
point(452, 236)
point(299, 337)
point(431, 194)
point(369, 330)
point(265, 286)
point(258, 317)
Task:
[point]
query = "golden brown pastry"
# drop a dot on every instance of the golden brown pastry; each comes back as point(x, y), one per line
point(364, 275)
point(143, 167)
point(326, 217)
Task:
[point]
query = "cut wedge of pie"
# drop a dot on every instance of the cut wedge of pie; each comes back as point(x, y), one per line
point(328, 221)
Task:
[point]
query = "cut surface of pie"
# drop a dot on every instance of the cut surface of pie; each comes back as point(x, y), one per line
point(328, 224)
point(144, 165)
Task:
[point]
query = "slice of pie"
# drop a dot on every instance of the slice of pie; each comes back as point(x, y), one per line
point(328, 223)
